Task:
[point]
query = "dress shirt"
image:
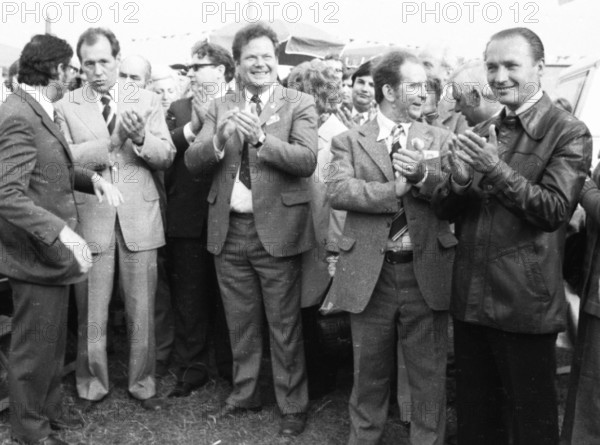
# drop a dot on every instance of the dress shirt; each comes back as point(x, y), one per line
point(364, 116)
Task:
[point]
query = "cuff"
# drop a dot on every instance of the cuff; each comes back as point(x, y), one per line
point(458, 188)
point(219, 153)
point(188, 134)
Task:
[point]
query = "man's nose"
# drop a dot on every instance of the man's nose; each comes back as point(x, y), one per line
point(501, 75)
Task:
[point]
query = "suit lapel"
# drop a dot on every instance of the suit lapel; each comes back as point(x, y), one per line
point(378, 151)
point(88, 112)
point(50, 125)
point(419, 131)
point(276, 101)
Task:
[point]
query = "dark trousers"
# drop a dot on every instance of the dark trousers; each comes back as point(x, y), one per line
point(250, 280)
point(581, 425)
point(198, 311)
point(37, 354)
point(397, 320)
point(505, 388)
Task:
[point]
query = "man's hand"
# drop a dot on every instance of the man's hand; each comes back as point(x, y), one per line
point(105, 190)
point(409, 164)
point(248, 123)
point(479, 153)
point(199, 110)
point(134, 125)
point(226, 127)
point(118, 136)
point(345, 117)
point(77, 246)
point(402, 186)
point(461, 171)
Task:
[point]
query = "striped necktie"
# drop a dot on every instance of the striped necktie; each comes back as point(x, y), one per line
point(399, 224)
point(107, 113)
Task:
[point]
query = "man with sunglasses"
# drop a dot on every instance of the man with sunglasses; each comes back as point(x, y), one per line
point(193, 281)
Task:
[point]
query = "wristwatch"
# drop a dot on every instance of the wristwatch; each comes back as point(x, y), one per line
point(260, 142)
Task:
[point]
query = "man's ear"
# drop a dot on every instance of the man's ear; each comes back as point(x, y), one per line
point(474, 97)
point(388, 93)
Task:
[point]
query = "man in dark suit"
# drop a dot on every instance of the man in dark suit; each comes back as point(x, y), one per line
point(395, 264)
point(514, 184)
point(260, 144)
point(41, 254)
point(119, 130)
point(193, 280)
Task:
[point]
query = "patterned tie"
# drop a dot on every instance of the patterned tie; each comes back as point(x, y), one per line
point(245, 163)
point(399, 224)
point(109, 117)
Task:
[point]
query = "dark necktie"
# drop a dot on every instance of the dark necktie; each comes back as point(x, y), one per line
point(106, 113)
point(399, 224)
point(245, 163)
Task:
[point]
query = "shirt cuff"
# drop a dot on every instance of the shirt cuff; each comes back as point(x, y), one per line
point(458, 188)
point(188, 134)
point(220, 154)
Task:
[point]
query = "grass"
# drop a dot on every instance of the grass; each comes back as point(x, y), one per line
point(119, 420)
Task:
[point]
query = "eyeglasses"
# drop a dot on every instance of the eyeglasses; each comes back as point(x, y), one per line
point(197, 66)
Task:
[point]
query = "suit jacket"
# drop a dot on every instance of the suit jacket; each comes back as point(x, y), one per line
point(37, 177)
point(280, 195)
point(363, 185)
point(84, 127)
point(187, 208)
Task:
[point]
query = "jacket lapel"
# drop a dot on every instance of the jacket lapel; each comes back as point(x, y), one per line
point(276, 101)
point(378, 151)
point(89, 114)
point(419, 131)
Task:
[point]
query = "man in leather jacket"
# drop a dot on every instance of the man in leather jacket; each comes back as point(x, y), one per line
point(515, 180)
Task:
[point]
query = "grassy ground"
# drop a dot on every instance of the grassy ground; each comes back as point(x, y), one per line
point(120, 420)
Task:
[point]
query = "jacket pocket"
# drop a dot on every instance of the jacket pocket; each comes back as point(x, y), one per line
point(447, 240)
point(295, 197)
point(212, 196)
point(346, 243)
point(150, 194)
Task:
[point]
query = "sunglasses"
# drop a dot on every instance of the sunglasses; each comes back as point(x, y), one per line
point(197, 66)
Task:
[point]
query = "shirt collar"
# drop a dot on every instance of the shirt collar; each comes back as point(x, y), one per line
point(386, 125)
point(264, 96)
point(527, 105)
point(38, 94)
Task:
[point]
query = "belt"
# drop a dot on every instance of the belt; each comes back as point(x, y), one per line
point(241, 215)
point(398, 257)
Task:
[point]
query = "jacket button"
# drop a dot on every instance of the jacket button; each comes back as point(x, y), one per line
point(382, 250)
point(489, 187)
point(389, 224)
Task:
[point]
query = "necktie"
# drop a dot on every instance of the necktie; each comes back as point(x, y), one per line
point(399, 224)
point(245, 163)
point(107, 114)
point(358, 119)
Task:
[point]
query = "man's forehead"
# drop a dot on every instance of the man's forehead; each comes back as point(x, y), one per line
point(508, 49)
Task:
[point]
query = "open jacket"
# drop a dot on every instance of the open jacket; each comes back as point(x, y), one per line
point(511, 223)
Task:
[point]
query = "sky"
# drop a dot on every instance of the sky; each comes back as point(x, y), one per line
point(567, 29)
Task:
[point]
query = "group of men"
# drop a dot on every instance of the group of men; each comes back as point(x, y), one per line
point(238, 211)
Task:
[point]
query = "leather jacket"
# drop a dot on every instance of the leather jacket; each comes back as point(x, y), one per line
point(511, 222)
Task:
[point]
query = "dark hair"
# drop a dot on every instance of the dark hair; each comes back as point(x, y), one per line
point(535, 43)
point(363, 70)
point(40, 59)
point(251, 32)
point(434, 84)
point(217, 54)
point(387, 71)
point(346, 75)
point(13, 70)
point(90, 37)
